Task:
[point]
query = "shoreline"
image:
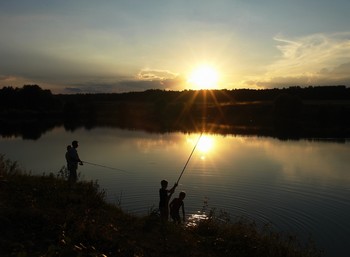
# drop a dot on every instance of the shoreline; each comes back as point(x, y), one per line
point(47, 216)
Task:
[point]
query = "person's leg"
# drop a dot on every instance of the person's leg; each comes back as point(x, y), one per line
point(73, 175)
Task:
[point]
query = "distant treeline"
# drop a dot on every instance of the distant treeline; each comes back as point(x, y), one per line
point(223, 96)
point(321, 111)
point(32, 97)
point(29, 97)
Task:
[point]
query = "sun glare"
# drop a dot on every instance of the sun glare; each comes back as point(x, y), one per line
point(205, 144)
point(204, 77)
point(204, 147)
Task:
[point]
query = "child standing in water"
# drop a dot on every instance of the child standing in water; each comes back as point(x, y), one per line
point(175, 205)
point(164, 196)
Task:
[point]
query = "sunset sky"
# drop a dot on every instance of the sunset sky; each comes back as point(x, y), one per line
point(86, 46)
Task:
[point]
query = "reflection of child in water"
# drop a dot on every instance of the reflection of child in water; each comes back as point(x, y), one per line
point(165, 195)
point(175, 205)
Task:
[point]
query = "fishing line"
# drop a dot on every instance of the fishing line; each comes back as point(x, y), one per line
point(194, 148)
point(103, 166)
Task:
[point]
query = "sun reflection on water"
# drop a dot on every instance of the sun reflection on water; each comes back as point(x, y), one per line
point(194, 219)
point(205, 145)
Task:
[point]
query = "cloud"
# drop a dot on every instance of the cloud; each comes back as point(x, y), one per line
point(160, 79)
point(144, 80)
point(73, 90)
point(15, 81)
point(149, 74)
point(107, 87)
point(318, 59)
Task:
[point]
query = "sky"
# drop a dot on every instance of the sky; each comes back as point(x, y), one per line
point(89, 46)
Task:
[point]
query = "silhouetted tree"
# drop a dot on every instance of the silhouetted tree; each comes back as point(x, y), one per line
point(29, 97)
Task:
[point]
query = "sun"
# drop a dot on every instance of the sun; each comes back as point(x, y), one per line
point(204, 77)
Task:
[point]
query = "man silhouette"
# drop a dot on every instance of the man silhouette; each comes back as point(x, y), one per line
point(73, 160)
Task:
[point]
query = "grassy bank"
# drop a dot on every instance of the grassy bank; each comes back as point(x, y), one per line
point(47, 216)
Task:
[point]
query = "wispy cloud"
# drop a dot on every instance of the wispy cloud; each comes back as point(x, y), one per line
point(318, 59)
point(153, 74)
point(145, 79)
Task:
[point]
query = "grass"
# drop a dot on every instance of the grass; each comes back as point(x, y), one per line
point(47, 216)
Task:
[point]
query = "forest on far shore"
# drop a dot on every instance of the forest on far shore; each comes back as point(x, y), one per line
point(294, 112)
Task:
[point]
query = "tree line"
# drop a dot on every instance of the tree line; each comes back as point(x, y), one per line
point(33, 97)
point(29, 97)
point(294, 111)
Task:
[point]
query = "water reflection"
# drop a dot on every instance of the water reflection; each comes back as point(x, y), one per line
point(195, 218)
point(201, 215)
point(298, 186)
point(205, 146)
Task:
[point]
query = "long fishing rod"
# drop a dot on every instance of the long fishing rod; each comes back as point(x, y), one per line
point(194, 148)
point(103, 166)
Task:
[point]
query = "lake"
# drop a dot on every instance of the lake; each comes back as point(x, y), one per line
point(298, 186)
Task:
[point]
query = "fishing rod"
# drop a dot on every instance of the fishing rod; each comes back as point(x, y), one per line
point(194, 148)
point(103, 166)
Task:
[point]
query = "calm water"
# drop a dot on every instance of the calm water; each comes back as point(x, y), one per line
point(302, 187)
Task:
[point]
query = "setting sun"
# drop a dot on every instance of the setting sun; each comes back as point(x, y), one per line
point(204, 77)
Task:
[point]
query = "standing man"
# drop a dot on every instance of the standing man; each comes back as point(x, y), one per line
point(73, 160)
